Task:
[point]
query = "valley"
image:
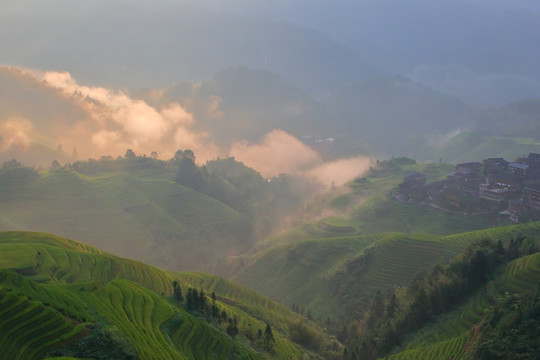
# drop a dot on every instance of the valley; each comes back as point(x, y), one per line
point(327, 273)
point(290, 180)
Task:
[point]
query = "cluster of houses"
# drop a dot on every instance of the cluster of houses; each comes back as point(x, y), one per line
point(493, 185)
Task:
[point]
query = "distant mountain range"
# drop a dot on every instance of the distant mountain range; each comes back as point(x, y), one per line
point(109, 44)
point(470, 49)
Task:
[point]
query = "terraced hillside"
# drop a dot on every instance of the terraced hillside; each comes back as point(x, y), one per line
point(58, 294)
point(138, 213)
point(366, 207)
point(331, 276)
point(451, 336)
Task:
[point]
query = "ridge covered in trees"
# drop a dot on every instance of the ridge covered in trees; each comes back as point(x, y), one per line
point(385, 324)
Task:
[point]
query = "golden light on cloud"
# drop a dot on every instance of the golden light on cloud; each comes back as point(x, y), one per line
point(279, 152)
point(15, 131)
point(340, 171)
point(118, 122)
point(109, 121)
point(276, 153)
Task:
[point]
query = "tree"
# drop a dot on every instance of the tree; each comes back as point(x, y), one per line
point(268, 337)
point(420, 311)
point(377, 306)
point(129, 154)
point(55, 165)
point(189, 154)
point(202, 301)
point(392, 307)
point(178, 155)
point(10, 165)
point(189, 174)
point(191, 299)
point(232, 327)
point(177, 292)
point(154, 155)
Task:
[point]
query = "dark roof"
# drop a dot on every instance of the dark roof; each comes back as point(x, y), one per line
point(533, 159)
point(470, 165)
point(519, 166)
point(504, 177)
point(453, 190)
point(495, 161)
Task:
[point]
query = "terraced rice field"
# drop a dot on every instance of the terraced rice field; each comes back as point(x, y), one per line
point(504, 234)
point(28, 328)
point(183, 204)
point(143, 214)
point(68, 280)
point(447, 337)
point(335, 225)
point(395, 259)
point(298, 273)
point(444, 350)
point(398, 260)
point(380, 214)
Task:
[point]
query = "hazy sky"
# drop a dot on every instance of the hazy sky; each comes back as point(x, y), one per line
point(485, 51)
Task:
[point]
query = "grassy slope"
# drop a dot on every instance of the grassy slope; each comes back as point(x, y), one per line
point(448, 335)
point(367, 208)
point(300, 266)
point(305, 273)
point(508, 148)
point(473, 146)
point(69, 280)
point(147, 215)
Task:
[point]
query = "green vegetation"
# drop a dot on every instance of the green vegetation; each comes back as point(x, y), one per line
point(468, 331)
point(335, 265)
point(67, 299)
point(510, 329)
point(386, 322)
point(175, 214)
point(332, 277)
point(380, 275)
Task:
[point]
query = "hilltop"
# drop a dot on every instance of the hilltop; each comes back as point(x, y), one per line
point(64, 298)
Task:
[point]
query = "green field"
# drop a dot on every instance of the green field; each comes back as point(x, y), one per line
point(366, 207)
point(474, 146)
point(54, 290)
point(449, 336)
point(316, 266)
point(139, 214)
point(323, 274)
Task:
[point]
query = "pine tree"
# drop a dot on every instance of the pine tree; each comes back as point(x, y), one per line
point(268, 337)
point(392, 307)
point(202, 301)
point(232, 327)
point(177, 292)
point(190, 299)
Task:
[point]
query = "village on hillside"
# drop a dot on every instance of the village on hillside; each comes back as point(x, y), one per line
point(493, 186)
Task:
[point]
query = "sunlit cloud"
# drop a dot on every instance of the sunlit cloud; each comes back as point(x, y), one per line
point(110, 121)
point(279, 152)
point(340, 171)
point(15, 132)
point(276, 153)
point(119, 122)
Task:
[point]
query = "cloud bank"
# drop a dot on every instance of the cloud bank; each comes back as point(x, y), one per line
point(279, 152)
point(111, 121)
point(118, 122)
